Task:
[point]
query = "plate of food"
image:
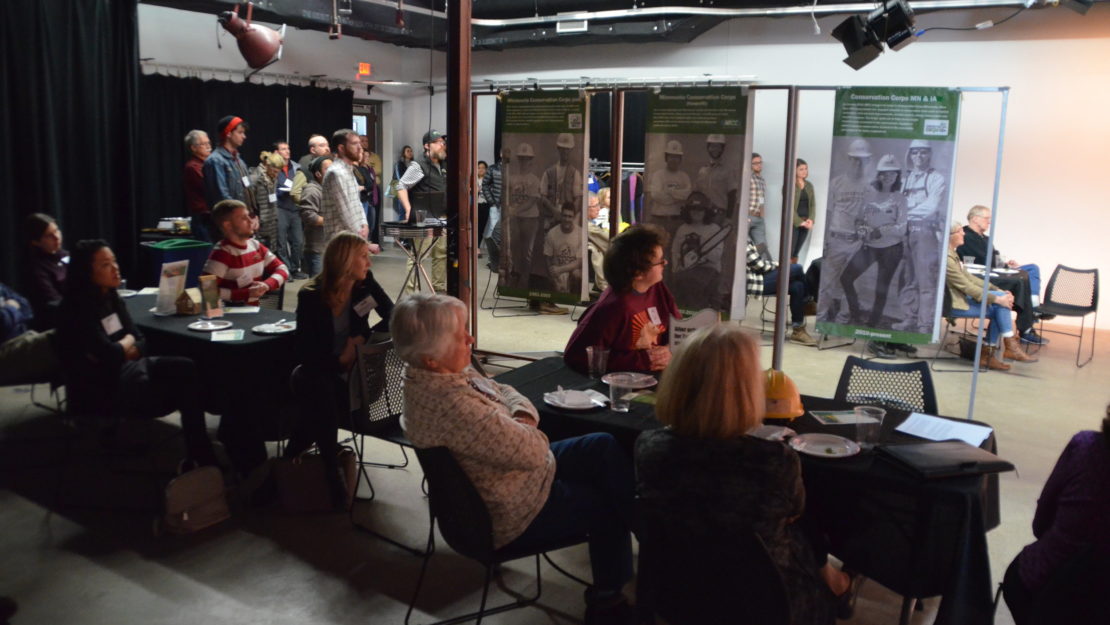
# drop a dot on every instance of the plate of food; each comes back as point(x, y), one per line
point(575, 400)
point(824, 445)
point(631, 380)
point(209, 325)
point(281, 327)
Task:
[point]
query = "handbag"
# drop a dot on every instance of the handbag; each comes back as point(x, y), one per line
point(302, 485)
point(195, 499)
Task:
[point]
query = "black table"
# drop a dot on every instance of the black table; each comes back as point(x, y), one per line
point(251, 375)
point(919, 538)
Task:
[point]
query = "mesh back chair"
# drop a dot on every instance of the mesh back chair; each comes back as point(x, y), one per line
point(1073, 293)
point(901, 386)
point(465, 524)
point(274, 300)
point(379, 375)
point(694, 575)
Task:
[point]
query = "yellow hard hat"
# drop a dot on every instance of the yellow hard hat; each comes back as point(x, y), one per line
point(783, 401)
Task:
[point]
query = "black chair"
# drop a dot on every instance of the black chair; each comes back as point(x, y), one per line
point(1073, 293)
point(273, 300)
point(379, 376)
point(691, 575)
point(1074, 593)
point(950, 323)
point(902, 386)
point(465, 524)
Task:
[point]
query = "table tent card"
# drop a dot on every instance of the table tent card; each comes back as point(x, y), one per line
point(170, 285)
point(682, 328)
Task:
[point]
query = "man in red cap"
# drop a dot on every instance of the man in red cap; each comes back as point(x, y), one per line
point(226, 176)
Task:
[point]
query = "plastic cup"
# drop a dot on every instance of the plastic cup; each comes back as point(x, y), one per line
point(867, 433)
point(620, 391)
point(598, 359)
point(969, 260)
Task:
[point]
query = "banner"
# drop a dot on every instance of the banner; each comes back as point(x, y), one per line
point(543, 196)
point(886, 238)
point(694, 149)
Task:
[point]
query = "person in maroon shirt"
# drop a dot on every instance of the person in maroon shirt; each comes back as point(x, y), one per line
point(632, 316)
point(199, 147)
point(1073, 517)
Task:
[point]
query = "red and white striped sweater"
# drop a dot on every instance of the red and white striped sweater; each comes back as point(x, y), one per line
point(238, 266)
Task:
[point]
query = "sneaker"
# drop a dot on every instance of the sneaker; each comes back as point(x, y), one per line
point(880, 349)
point(548, 308)
point(801, 337)
point(909, 350)
point(1033, 338)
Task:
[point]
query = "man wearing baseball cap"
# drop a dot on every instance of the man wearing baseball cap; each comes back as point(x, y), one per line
point(226, 176)
point(668, 189)
point(423, 188)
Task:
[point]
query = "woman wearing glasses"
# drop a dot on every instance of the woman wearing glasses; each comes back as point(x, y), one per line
point(633, 315)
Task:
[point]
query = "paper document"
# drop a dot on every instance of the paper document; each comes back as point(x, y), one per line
point(150, 290)
point(840, 417)
point(937, 429)
point(241, 310)
point(227, 335)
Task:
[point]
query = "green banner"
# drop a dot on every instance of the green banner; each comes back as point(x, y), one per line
point(698, 111)
point(897, 113)
point(544, 111)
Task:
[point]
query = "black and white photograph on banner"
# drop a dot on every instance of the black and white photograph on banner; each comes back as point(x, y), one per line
point(543, 211)
point(693, 191)
point(883, 248)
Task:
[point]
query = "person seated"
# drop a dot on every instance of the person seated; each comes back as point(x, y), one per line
point(535, 491)
point(966, 292)
point(632, 315)
point(597, 238)
point(102, 355)
point(245, 268)
point(562, 251)
point(1073, 514)
point(25, 355)
point(763, 278)
point(44, 272)
point(332, 322)
point(710, 398)
point(975, 245)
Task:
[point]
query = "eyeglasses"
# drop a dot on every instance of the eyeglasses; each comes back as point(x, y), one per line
point(662, 262)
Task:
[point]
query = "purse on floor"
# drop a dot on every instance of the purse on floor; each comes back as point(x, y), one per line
point(302, 486)
point(195, 499)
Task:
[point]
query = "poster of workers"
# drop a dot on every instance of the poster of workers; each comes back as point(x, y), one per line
point(893, 158)
point(694, 163)
point(544, 154)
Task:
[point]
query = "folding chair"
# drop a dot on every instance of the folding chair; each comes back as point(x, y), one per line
point(901, 386)
point(1073, 293)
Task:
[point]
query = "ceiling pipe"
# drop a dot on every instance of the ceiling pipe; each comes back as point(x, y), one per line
point(675, 11)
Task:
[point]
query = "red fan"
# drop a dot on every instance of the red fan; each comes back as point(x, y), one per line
point(260, 46)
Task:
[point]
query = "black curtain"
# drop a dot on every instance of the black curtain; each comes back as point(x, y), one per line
point(68, 103)
point(635, 126)
point(314, 111)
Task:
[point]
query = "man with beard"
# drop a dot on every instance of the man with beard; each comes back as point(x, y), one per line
point(423, 187)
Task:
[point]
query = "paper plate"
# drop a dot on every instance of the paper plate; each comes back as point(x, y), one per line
point(208, 325)
point(772, 432)
point(824, 445)
point(635, 380)
point(575, 400)
point(125, 293)
point(275, 328)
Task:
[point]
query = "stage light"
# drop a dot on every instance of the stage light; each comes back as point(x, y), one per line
point(260, 46)
point(863, 38)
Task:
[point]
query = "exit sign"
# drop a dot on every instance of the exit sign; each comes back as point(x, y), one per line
point(364, 69)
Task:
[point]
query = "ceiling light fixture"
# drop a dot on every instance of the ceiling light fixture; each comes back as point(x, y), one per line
point(259, 45)
point(863, 37)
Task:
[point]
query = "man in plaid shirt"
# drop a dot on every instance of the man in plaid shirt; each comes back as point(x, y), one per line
point(757, 200)
point(342, 210)
point(763, 277)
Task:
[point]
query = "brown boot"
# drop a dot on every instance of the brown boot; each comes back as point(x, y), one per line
point(1014, 350)
point(992, 362)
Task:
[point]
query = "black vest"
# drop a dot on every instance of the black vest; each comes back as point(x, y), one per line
point(430, 194)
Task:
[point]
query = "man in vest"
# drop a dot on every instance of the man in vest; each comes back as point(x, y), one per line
point(423, 188)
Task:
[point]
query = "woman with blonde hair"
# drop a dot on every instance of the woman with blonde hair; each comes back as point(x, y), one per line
point(710, 397)
point(332, 322)
point(264, 188)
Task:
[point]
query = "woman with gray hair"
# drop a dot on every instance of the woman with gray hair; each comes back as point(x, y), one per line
point(535, 492)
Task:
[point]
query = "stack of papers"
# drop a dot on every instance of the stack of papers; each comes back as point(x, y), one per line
point(937, 429)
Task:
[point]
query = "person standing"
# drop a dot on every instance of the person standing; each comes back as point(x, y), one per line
point(264, 187)
point(311, 206)
point(847, 195)
point(805, 208)
point(715, 181)
point(925, 190)
point(667, 190)
point(342, 209)
point(757, 204)
point(290, 234)
point(317, 146)
point(226, 176)
point(485, 201)
point(423, 187)
point(198, 146)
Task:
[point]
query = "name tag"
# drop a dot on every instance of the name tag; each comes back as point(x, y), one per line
point(485, 387)
point(111, 324)
point(653, 314)
point(272, 197)
point(247, 181)
point(364, 307)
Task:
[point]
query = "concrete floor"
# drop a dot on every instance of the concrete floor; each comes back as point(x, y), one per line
point(66, 563)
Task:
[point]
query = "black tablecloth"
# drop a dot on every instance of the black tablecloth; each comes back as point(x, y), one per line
point(251, 375)
point(919, 538)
